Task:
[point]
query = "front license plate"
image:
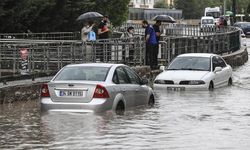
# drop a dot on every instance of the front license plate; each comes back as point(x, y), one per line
point(73, 93)
point(176, 88)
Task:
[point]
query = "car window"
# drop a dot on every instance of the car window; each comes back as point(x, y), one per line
point(190, 63)
point(122, 76)
point(215, 62)
point(83, 73)
point(132, 76)
point(218, 62)
point(221, 62)
point(115, 78)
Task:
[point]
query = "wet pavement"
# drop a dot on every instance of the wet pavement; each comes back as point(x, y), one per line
point(199, 120)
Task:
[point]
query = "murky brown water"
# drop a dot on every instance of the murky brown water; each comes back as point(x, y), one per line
point(180, 120)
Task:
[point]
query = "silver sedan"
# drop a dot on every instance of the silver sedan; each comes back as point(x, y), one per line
point(95, 87)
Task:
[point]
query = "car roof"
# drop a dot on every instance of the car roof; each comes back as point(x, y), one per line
point(242, 23)
point(95, 65)
point(208, 55)
point(207, 17)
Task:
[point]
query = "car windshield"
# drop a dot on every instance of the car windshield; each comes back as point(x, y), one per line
point(213, 14)
point(190, 63)
point(83, 73)
point(207, 21)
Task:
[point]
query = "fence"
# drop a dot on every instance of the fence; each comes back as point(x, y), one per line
point(51, 55)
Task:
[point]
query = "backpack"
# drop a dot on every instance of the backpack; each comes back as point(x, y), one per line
point(91, 36)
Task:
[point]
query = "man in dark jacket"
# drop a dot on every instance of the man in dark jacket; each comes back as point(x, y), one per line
point(151, 45)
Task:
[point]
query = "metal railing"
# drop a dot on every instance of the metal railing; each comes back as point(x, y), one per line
point(51, 55)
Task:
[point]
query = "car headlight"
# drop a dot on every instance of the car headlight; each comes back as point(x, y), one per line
point(196, 82)
point(159, 82)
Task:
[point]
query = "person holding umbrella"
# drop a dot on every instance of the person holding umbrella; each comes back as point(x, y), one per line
point(86, 30)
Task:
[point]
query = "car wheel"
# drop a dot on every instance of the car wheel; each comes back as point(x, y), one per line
point(120, 108)
point(211, 86)
point(151, 101)
point(230, 82)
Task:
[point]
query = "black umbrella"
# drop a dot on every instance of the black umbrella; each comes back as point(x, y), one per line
point(164, 18)
point(89, 16)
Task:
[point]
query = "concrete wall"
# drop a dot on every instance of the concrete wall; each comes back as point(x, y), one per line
point(31, 90)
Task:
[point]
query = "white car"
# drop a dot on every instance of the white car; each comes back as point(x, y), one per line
point(95, 87)
point(194, 71)
point(207, 24)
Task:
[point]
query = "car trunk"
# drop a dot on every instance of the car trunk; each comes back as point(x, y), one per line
point(71, 91)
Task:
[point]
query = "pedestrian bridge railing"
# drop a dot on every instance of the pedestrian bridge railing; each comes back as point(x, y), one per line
point(51, 55)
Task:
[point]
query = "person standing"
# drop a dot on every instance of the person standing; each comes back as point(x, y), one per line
point(128, 52)
point(85, 30)
point(156, 27)
point(103, 33)
point(103, 30)
point(151, 45)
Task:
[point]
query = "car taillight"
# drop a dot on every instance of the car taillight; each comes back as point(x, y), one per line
point(100, 92)
point(45, 90)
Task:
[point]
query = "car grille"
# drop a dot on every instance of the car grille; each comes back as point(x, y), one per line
point(184, 82)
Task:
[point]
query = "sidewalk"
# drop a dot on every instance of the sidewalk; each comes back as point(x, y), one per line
point(25, 82)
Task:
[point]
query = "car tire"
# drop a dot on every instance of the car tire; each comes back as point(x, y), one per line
point(230, 82)
point(211, 86)
point(151, 101)
point(120, 108)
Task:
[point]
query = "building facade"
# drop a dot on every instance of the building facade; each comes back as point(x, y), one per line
point(142, 3)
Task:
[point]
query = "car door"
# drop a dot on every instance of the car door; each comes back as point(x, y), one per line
point(124, 86)
point(219, 78)
point(225, 71)
point(140, 91)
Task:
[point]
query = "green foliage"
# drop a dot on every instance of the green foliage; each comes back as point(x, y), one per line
point(194, 9)
point(248, 8)
point(160, 4)
point(55, 15)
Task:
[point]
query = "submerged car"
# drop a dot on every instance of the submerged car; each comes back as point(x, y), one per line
point(95, 87)
point(195, 71)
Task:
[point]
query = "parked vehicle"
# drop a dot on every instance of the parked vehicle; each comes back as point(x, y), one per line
point(195, 71)
point(214, 12)
point(207, 24)
point(245, 26)
point(243, 37)
point(95, 87)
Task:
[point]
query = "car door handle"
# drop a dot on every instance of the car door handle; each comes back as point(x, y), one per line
point(136, 90)
point(124, 90)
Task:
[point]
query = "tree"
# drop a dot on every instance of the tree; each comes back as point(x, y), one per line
point(55, 15)
point(160, 4)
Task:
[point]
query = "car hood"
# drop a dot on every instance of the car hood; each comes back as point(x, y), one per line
point(182, 75)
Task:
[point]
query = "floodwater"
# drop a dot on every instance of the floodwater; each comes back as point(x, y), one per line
point(179, 121)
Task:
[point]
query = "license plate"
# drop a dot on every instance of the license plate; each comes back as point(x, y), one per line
point(176, 88)
point(73, 93)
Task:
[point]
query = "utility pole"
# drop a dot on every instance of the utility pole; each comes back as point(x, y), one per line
point(234, 10)
point(224, 7)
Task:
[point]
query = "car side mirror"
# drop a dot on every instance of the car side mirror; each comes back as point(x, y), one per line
point(217, 69)
point(144, 81)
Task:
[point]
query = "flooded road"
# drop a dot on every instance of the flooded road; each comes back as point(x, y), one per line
point(179, 121)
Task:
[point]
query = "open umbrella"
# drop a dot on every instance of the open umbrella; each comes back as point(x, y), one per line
point(89, 16)
point(164, 18)
point(229, 13)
